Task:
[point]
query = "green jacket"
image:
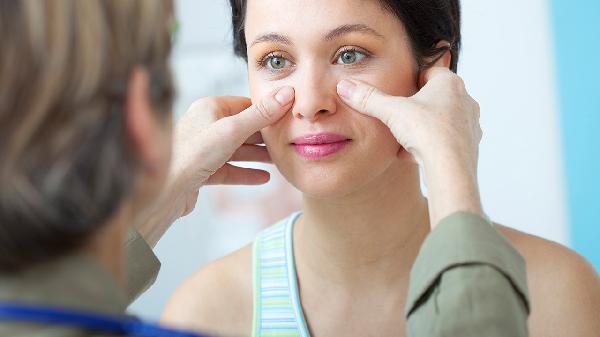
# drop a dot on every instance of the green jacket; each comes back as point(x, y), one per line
point(467, 281)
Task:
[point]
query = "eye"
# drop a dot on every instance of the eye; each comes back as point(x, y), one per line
point(274, 62)
point(350, 57)
point(277, 62)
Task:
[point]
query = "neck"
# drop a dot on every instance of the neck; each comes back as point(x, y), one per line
point(373, 232)
point(108, 245)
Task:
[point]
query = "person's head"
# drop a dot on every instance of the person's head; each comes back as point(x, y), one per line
point(311, 45)
point(85, 113)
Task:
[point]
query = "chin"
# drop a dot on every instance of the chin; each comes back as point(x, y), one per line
point(325, 182)
point(336, 176)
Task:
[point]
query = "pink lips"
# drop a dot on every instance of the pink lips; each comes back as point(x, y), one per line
point(319, 146)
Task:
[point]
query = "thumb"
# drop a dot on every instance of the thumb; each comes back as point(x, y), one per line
point(267, 111)
point(369, 100)
point(428, 74)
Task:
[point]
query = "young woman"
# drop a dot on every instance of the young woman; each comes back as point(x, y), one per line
point(342, 265)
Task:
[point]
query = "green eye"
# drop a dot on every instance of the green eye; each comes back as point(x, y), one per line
point(276, 62)
point(350, 57)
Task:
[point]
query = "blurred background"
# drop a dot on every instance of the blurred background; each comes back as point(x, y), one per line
point(530, 64)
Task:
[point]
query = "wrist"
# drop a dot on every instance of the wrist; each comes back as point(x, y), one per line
point(154, 222)
point(452, 186)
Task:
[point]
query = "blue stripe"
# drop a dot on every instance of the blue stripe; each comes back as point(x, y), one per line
point(277, 311)
point(576, 28)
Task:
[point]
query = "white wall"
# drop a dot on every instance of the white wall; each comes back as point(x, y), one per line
point(506, 63)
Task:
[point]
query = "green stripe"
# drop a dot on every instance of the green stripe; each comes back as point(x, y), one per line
point(256, 286)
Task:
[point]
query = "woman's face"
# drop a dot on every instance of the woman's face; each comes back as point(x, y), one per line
point(323, 147)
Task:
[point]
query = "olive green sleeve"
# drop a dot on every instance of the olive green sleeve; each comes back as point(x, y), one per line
point(142, 265)
point(467, 280)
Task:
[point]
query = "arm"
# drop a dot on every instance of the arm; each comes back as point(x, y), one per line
point(213, 132)
point(468, 281)
point(142, 265)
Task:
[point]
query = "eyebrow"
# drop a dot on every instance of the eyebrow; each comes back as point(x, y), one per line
point(347, 29)
point(272, 37)
point(331, 35)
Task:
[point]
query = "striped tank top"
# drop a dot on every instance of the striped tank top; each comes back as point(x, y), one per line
point(277, 309)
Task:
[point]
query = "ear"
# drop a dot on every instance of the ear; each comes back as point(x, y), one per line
point(141, 124)
point(443, 61)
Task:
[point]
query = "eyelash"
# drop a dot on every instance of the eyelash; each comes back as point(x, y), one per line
point(262, 63)
point(361, 51)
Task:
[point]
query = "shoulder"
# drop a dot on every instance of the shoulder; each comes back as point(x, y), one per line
point(217, 298)
point(564, 288)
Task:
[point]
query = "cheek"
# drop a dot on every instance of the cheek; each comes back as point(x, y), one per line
point(269, 135)
point(258, 87)
point(276, 139)
point(379, 143)
point(394, 75)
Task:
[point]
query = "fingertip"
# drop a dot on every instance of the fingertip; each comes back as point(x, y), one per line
point(345, 88)
point(262, 177)
point(284, 95)
point(432, 72)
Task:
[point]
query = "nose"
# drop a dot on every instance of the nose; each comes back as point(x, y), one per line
point(316, 95)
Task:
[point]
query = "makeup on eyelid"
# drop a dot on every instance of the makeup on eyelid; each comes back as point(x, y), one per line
point(366, 46)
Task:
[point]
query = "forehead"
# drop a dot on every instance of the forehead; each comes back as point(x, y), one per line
point(305, 18)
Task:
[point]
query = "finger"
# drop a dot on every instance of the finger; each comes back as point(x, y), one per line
point(369, 100)
point(253, 153)
point(404, 155)
point(235, 175)
point(260, 115)
point(232, 105)
point(430, 73)
point(256, 138)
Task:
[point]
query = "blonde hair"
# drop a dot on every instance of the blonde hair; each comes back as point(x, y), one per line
point(65, 162)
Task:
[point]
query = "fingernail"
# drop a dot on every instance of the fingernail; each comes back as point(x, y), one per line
point(284, 96)
point(346, 88)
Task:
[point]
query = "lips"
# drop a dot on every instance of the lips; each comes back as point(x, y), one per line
point(319, 146)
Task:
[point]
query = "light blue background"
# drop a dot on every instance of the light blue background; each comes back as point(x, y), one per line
point(577, 51)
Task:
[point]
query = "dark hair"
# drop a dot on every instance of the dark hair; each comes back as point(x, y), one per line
point(426, 21)
point(66, 163)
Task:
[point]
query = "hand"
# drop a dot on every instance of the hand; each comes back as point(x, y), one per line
point(212, 133)
point(438, 127)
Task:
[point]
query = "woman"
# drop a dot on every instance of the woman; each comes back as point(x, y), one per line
point(364, 217)
point(85, 148)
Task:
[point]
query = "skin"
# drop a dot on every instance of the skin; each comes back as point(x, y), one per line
point(364, 215)
point(212, 133)
point(149, 136)
point(216, 129)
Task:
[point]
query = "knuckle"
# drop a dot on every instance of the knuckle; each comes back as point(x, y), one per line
point(205, 104)
point(366, 98)
point(448, 76)
point(477, 106)
point(263, 110)
point(227, 128)
point(391, 120)
point(460, 82)
point(456, 83)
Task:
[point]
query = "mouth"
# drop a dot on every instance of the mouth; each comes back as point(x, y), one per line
point(319, 146)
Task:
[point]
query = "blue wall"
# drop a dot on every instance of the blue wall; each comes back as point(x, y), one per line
point(577, 44)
